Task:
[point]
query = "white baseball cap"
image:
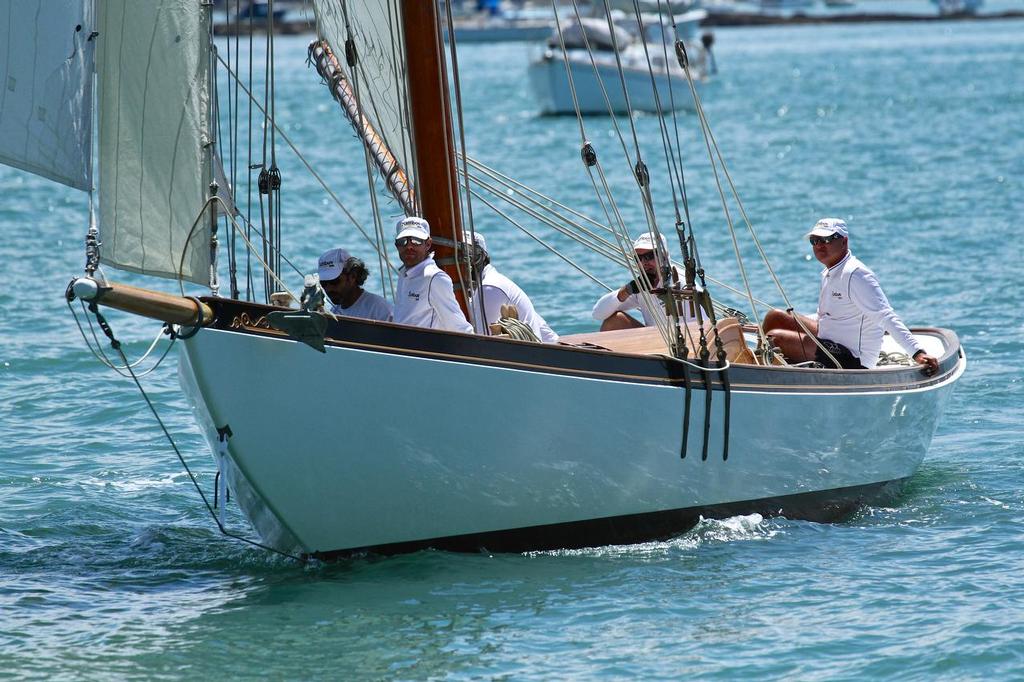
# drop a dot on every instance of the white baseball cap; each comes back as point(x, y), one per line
point(331, 264)
point(412, 226)
point(827, 227)
point(645, 242)
point(481, 242)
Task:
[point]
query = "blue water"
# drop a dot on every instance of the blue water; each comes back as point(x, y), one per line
point(110, 567)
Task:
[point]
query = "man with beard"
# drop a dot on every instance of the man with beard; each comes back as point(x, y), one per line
point(611, 309)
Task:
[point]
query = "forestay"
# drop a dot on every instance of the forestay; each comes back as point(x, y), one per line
point(153, 66)
point(46, 89)
point(380, 72)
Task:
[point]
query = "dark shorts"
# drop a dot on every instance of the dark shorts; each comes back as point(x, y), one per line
point(841, 353)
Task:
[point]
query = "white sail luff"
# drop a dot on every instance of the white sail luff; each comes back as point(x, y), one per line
point(155, 166)
point(46, 68)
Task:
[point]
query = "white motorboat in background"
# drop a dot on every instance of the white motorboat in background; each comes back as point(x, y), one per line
point(955, 7)
point(609, 69)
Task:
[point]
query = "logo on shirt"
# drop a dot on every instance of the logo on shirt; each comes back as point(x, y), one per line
point(414, 295)
point(836, 294)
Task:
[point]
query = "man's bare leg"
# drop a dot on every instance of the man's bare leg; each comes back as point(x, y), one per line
point(790, 337)
point(620, 320)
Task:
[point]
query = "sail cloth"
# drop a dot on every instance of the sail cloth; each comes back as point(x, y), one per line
point(153, 68)
point(379, 76)
point(46, 65)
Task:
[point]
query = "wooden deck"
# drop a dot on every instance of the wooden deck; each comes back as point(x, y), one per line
point(648, 341)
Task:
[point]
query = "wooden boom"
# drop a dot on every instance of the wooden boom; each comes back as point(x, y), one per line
point(157, 305)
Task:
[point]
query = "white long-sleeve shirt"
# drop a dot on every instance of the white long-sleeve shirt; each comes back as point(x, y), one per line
point(425, 297)
point(609, 304)
point(853, 311)
point(498, 290)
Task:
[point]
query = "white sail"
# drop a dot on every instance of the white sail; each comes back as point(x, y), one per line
point(379, 76)
point(153, 66)
point(46, 65)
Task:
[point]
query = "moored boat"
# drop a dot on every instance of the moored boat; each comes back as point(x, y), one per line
point(598, 66)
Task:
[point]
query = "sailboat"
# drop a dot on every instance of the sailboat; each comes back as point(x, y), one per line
point(609, 437)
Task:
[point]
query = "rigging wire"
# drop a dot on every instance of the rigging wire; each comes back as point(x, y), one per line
point(662, 128)
point(610, 251)
point(352, 59)
point(308, 166)
point(250, 283)
point(596, 242)
point(232, 141)
point(454, 212)
point(538, 198)
point(591, 160)
point(97, 349)
point(708, 139)
point(405, 114)
point(539, 240)
point(116, 345)
point(534, 197)
point(466, 262)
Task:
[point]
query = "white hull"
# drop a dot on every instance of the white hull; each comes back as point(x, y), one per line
point(550, 84)
point(351, 449)
point(500, 32)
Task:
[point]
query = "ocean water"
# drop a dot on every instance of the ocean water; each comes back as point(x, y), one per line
point(111, 569)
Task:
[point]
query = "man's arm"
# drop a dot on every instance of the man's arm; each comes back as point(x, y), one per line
point(441, 296)
point(616, 300)
point(867, 294)
point(492, 298)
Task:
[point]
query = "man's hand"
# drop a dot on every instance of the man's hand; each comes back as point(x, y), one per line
point(931, 363)
point(628, 290)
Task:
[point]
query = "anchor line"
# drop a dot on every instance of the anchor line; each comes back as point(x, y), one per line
point(116, 345)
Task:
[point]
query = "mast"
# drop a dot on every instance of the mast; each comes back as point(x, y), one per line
point(433, 134)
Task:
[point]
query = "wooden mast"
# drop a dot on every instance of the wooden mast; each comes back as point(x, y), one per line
point(433, 135)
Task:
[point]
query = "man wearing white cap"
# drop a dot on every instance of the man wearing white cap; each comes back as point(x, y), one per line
point(497, 290)
point(425, 296)
point(853, 312)
point(342, 277)
point(611, 309)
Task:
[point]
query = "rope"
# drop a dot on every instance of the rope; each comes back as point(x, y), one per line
point(895, 358)
point(97, 350)
point(116, 345)
point(517, 329)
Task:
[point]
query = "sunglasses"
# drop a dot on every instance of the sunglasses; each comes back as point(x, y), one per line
point(644, 257)
point(824, 240)
point(415, 241)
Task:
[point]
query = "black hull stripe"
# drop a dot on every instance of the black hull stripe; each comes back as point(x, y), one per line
point(823, 507)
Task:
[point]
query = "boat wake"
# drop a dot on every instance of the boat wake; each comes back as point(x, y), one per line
point(706, 532)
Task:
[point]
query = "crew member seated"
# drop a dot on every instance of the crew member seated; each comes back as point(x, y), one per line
point(611, 310)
